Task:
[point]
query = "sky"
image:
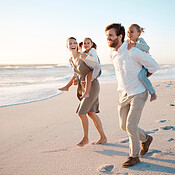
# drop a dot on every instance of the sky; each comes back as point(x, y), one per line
point(35, 31)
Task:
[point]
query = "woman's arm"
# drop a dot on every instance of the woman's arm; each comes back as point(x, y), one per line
point(91, 56)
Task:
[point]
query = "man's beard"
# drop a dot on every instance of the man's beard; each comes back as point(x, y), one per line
point(114, 43)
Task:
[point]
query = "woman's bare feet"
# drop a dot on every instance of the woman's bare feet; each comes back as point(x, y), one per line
point(101, 141)
point(153, 97)
point(83, 142)
point(65, 88)
point(85, 96)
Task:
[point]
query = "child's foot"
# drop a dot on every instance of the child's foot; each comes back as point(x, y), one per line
point(153, 97)
point(83, 142)
point(101, 141)
point(64, 88)
point(85, 96)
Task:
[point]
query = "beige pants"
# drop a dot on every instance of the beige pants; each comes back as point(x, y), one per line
point(130, 109)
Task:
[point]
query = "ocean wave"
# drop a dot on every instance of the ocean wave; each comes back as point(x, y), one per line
point(48, 80)
point(21, 95)
point(34, 66)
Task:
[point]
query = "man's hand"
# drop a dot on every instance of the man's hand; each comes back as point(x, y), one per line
point(128, 40)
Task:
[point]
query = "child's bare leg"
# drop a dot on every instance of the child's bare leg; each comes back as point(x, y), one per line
point(88, 85)
point(66, 88)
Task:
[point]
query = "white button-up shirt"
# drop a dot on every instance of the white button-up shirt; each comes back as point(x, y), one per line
point(128, 64)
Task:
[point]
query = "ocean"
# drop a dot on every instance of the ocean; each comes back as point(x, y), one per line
point(21, 84)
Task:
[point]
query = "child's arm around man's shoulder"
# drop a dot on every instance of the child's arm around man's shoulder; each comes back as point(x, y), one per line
point(142, 45)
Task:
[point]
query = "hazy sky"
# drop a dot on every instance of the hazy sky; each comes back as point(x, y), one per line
point(35, 31)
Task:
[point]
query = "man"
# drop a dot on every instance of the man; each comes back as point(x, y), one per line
point(128, 62)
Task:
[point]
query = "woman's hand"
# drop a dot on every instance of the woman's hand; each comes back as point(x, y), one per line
point(70, 60)
point(75, 82)
point(83, 56)
point(83, 83)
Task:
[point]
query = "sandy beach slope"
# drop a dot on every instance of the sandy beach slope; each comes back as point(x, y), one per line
point(40, 138)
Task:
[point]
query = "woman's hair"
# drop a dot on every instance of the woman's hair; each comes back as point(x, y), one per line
point(139, 29)
point(69, 39)
point(119, 29)
point(94, 45)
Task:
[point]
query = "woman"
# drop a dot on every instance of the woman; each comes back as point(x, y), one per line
point(88, 106)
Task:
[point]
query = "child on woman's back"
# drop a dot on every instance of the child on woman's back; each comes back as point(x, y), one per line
point(90, 57)
point(135, 40)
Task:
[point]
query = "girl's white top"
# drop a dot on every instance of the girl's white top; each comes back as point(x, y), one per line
point(93, 62)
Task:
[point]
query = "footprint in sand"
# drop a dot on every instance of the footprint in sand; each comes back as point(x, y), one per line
point(161, 121)
point(153, 152)
point(172, 104)
point(171, 139)
point(155, 130)
point(150, 132)
point(167, 128)
point(105, 168)
point(53, 151)
point(124, 141)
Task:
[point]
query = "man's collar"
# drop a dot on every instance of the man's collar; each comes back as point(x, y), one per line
point(122, 46)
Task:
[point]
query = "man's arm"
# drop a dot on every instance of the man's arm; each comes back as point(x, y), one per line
point(145, 59)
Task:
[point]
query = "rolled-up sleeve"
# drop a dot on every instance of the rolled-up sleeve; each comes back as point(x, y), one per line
point(95, 66)
point(142, 45)
point(145, 59)
point(92, 56)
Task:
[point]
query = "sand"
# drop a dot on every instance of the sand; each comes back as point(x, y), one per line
point(40, 138)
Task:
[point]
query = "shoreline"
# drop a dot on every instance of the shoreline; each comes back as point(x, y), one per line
point(33, 101)
point(59, 93)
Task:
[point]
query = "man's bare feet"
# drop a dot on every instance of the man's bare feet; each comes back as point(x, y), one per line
point(85, 96)
point(65, 88)
point(83, 142)
point(101, 141)
point(153, 97)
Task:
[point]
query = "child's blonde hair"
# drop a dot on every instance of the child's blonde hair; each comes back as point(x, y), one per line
point(139, 29)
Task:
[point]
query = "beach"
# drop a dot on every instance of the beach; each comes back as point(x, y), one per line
point(40, 138)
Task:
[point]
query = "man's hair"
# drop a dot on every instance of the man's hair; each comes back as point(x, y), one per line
point(120, 30)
